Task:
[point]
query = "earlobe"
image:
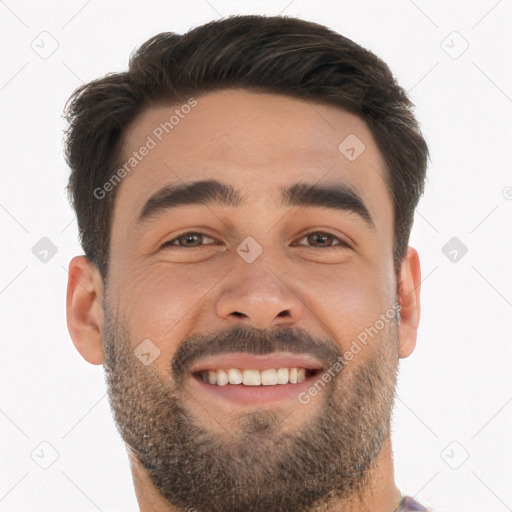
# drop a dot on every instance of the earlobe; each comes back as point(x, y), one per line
point(409, 299)
point(84, 310)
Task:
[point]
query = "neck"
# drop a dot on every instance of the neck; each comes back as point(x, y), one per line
point(381, 495)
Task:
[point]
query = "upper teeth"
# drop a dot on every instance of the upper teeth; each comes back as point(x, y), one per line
point(267, 377)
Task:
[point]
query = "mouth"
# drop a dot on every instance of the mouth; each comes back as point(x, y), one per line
point(249, 379)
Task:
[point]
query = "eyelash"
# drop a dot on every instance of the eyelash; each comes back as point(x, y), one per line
point(342, 244)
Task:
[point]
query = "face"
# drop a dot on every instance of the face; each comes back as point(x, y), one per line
point(250, 351)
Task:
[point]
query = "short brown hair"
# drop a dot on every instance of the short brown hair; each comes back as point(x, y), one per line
point(278, 54)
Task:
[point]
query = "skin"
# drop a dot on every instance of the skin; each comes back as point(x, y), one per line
point(257, 143)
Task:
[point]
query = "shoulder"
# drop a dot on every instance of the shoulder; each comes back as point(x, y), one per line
point(408, 504)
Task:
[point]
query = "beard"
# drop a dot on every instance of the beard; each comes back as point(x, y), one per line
point(260, 465)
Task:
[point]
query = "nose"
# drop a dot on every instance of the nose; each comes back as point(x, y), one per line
point(256, 294)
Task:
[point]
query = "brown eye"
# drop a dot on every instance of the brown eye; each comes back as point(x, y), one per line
point(316, 239)
point(189, 239)
point(323, 240)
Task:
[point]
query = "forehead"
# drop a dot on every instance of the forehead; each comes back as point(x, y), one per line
point(257, 142)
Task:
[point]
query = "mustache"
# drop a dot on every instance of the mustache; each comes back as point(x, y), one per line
point(251, 341)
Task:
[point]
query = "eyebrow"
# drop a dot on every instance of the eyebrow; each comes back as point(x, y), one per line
point(336, 196)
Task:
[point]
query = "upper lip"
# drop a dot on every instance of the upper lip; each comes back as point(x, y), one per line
point(256, 361)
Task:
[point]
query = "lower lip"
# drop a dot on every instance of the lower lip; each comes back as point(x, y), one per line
point(254, 395)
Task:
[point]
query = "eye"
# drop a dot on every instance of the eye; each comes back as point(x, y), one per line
point(191, 238)
point(186, 239)
point(325, 238)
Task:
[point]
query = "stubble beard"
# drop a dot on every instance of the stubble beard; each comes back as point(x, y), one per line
point(259, 465)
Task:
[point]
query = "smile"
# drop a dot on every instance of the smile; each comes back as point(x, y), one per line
point(249, 377)
point(254, 379)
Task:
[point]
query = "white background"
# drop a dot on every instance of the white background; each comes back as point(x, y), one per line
point(456, 386)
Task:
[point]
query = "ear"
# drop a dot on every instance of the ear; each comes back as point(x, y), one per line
point(84, 309)
point(409, 300)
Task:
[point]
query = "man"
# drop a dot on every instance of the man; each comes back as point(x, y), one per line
point(245, 195)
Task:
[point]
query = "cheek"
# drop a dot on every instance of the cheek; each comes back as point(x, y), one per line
point(159, 301)
point(164, 302)
point(347, 303)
